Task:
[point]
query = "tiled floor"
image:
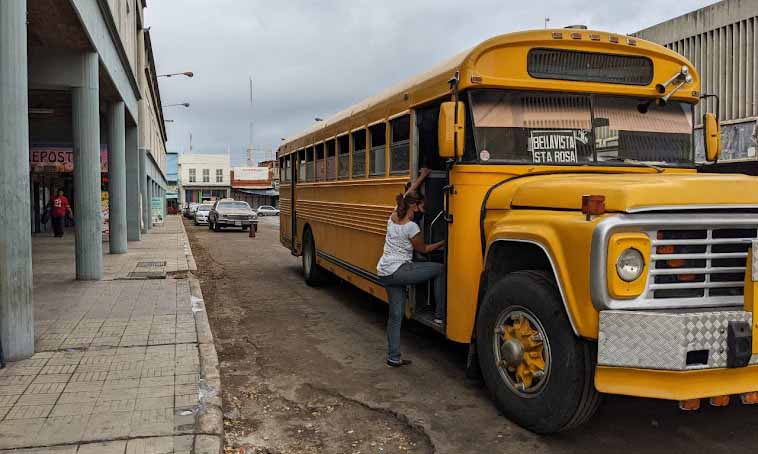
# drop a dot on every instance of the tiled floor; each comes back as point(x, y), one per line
point(117, 367)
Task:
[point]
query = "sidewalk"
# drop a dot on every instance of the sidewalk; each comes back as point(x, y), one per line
point(123, 365)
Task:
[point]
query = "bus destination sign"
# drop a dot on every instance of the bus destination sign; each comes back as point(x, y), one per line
point(555, 146)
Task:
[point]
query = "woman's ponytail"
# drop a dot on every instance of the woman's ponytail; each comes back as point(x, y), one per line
point(402, 207)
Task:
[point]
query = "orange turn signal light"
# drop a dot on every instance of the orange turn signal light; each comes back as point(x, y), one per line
point(593, 205)
point(686, 277)
point(689, 404)
point(749, 398)
point(664, 249)
point(675, 263)
point(719, 401)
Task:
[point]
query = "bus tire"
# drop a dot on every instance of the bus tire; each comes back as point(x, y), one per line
point(539, 373)
point(313, 273)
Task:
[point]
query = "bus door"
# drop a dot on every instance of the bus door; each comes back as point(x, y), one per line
point(434, 228)
point(293, 216)
point(433, 222)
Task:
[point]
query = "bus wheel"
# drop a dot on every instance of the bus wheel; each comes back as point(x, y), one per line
point(314, 274)
point(538, 372)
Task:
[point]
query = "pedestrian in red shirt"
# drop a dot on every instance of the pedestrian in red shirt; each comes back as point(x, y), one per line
point(59, 208)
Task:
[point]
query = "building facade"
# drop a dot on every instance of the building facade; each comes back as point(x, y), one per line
point(721, 40)
point(172, 182)
point(203, 177)
point(80, 112)
point(256, 185)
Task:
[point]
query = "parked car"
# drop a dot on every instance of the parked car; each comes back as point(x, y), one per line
point(201, 214)
point(267, 210)
point(189, 210)
point(193, 209)
point(232, 213)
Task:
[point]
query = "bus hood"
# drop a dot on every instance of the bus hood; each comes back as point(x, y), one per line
point(627, 192)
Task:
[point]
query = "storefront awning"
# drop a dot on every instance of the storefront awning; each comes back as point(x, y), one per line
point(263, 192)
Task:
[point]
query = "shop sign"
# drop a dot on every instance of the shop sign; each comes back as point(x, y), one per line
point(156, 208)
point(59, 158)
point(251, 173)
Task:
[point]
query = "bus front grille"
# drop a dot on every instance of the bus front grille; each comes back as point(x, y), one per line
point(699, 263)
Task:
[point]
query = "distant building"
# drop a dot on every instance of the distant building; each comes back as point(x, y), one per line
point(203, 177)
point(721, 40)
point(256, 185)
point(172, 182)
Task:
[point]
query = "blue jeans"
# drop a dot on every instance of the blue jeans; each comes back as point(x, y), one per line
point(409, 273)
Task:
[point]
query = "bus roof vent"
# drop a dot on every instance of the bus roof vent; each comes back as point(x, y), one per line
point(576, 27)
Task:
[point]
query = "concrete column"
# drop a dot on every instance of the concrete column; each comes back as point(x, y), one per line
point(150, 193)
point(16, 320)
point(143, 190)
point(133, 212)
point(88, 214)
point(117, 177)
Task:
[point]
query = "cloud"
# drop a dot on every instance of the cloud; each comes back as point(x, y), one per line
point(313, 58)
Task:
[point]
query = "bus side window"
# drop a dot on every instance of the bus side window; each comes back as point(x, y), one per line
point(378, 136)
point(301, 165)
point(319, 161)
point(359, 153)
point(309, 166)
point(343, 150)
point(400, 147)
point(331, 168)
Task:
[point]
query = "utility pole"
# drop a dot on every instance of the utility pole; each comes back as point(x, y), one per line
point(250, 137)
point(547, 19)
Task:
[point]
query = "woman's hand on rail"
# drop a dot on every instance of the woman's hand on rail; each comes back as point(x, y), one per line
point(422, 174)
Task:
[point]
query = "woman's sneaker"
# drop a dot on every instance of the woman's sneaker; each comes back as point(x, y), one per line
point(402, 362)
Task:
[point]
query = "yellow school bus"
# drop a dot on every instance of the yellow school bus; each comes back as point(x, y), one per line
point(585, 255)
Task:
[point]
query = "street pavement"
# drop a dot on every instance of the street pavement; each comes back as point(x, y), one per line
point(303, 372)
point(122, 365)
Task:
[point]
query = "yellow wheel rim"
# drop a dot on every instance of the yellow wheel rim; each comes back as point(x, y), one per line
point(521, 351)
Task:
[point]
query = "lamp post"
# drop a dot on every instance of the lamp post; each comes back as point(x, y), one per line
point(181, 104)
point(319, 119)
point(185, 73)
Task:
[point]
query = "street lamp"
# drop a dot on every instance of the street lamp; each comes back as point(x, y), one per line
point(185, 73)
point(182, 104)
point(168, 121)
point(319, 119)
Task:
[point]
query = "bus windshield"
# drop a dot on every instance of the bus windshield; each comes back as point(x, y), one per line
point(555, 128)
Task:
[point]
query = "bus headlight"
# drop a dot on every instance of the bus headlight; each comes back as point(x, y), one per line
point(625, 270)
point(630, 264)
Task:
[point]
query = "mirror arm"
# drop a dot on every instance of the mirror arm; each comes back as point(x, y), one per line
point(453, 82)
point(716, 97)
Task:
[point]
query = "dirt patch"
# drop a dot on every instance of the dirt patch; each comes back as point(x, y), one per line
point(278, 386)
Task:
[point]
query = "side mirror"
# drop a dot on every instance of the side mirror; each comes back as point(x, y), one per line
point(712, 137)
point(451, 129)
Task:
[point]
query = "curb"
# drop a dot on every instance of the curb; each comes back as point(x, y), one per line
point(191, 264)
point(209, 424)
point(210, 416)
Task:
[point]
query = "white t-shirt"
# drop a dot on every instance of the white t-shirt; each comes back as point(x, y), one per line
point(398, 248)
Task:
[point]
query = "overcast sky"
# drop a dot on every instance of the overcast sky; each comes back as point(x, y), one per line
point(311, 59)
